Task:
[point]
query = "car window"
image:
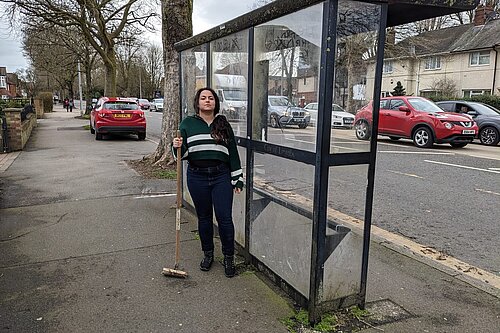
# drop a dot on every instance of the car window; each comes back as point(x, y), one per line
point(447, 106)
point(383, 104)
point(395, 104)
point(279, 101)
point(336, 107)
point(424, 105)
point(120, 105)
point(483, 109)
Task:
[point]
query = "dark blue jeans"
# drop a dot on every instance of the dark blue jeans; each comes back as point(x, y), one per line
point(211, 189)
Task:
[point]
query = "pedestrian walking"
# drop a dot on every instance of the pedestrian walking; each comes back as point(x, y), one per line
point(214, 173)
point(66, 104)
point(71, 105)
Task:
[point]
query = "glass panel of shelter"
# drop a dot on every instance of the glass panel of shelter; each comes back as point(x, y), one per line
point(286, 78)
point(229, 77)
point(193, 66)
point(356, 54)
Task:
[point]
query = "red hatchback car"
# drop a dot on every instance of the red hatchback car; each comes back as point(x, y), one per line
point(117, 115)
point(416, 118)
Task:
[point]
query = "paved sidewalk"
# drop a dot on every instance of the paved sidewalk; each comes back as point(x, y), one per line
point(84, 238)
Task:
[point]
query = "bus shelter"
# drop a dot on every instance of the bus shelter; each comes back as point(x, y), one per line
point(304, 219)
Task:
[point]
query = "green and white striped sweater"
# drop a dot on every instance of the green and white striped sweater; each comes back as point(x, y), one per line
point(198, 144)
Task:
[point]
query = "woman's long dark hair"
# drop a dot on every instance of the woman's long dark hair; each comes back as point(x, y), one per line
point(220, 127)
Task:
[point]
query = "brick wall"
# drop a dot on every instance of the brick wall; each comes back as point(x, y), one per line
point(19, 132)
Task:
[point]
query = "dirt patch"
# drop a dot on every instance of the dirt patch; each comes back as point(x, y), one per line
point(148, 170)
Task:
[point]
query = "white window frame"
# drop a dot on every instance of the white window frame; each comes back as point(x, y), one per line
point(476, 92)
point(475, 58)
point(432, 63)
point(3, 82)
point(388, 66)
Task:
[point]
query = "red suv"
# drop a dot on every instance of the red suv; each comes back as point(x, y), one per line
point(117, 115)
point(418, 119)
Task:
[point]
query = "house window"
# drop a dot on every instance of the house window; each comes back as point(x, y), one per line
point(387, 66)
point(3, 82)
point(470, 93)
point(385, 94)
point(433, 63)
point(480, 58)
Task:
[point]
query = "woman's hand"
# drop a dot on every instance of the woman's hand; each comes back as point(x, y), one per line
point(177, 142)
point(237, 190)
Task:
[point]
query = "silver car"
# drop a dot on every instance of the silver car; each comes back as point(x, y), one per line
point(340, 118)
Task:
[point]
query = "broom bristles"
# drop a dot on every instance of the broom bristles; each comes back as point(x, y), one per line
point(174, 272)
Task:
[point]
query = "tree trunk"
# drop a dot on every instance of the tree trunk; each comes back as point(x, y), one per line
point(176, 26)
point(110, 68)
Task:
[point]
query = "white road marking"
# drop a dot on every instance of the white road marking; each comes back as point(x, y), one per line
point(462, 166)
point(480, 156)
point(144, 196)
point(152, 141)
point(486, 191)
point(494, 169)
point(405, 174)
point(413, 152)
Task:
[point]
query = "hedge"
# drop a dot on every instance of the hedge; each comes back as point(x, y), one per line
point(48, 101)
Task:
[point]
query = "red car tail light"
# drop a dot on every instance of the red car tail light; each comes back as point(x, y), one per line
point(102, 114)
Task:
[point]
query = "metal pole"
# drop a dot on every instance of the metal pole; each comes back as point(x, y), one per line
point(80, 87)
point(140, 82)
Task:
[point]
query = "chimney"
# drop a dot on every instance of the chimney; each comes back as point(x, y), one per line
point(481, 14)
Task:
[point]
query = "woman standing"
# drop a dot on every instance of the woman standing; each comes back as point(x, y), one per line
point(214, 172)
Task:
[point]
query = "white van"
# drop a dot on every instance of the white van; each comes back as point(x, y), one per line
point(232, 93)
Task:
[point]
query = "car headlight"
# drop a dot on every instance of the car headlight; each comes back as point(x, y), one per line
point(448, 125)
point(306, 113)
point(336, 117)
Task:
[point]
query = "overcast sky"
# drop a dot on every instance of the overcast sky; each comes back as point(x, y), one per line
point(206, 15)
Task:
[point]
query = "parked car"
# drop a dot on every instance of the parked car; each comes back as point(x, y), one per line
point(157, 105)
point(117, 115)
point(281, 112)
point(416, 118)
point(144, 104)
point(340, 118)
point(486, 116)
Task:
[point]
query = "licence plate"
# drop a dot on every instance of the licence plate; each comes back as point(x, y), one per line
point(122, 115)
point(468, 132)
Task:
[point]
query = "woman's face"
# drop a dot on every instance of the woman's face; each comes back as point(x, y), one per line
point(206, 102)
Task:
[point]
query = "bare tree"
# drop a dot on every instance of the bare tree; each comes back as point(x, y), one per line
point(154, 67)
point(177, 24)
point(100, 22)
point(445, 87)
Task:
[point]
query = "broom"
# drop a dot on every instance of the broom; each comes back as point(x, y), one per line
point(175, 271)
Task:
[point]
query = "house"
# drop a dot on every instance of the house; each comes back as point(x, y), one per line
point(460, 60)
point(9, 83)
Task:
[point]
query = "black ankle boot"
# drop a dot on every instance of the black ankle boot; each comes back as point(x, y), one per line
point(229, 269)
point(207, 261)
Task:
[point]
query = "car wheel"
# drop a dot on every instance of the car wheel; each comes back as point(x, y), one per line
point(458, 144)
point(362, 130)
point(302, 126)
point(98, 136)
point(422, 138)
point(489, 136)
point(92, 130)
point(274, 121)
point(141, 136)
point(394, 138)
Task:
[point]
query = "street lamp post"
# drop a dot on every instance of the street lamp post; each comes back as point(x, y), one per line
point(80, 87)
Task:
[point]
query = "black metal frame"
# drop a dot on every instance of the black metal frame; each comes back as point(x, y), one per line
point(322, 159)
